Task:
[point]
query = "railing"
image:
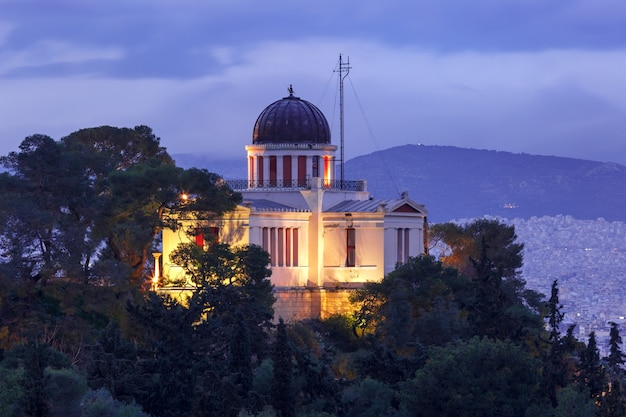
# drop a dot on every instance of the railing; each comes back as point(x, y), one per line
point(292, 146)
point(302, 184)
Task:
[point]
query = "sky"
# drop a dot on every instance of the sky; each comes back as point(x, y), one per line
point(523, 76)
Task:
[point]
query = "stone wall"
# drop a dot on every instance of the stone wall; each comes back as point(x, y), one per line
point(293, 304)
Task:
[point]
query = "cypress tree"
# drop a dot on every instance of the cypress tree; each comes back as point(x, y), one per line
point(282, 386)
point(616, 357)
point(554, 365)
point(592, 373)
point(240, 354)
point(613, 402)
point(33, 402)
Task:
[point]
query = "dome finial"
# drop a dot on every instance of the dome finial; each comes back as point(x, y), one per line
point(290, 89)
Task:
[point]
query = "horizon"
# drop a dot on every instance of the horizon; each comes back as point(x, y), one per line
point(208, 156)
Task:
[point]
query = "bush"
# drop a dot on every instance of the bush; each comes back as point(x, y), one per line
point(100, 404)
point(64, 389)
point(10, 390)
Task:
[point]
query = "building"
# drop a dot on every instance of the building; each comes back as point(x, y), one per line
point(326, 236)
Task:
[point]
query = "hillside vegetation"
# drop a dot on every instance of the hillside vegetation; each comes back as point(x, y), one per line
point(83, 334)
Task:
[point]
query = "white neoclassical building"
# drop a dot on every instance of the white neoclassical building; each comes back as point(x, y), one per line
point(325, 236)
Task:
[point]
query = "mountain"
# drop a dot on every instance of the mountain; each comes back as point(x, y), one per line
point(457, 183)
point(228, 168)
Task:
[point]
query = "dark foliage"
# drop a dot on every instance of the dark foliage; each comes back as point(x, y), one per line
point(282, 386)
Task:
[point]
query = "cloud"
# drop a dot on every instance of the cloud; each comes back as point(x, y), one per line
point(522, 75)
point(48, 53)
point(5, 30)
point(521, 102)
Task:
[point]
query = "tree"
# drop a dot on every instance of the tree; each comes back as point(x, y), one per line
point(555, 367)
point(487, 253)
point(572, 402)
point(96, 198)
point(147, 197)
point(615, 359)
point(476, 377)
point(282, 385)
point(34, 402)
point(369, 398)
point(465, 242)
point(228, 276)
point(113, 365)
point(116, 149)
point(488, 307)
point(418, 302)
point(191, 344)
point(241, 356)
point(612, 403)
point(48, 209)
point(177, 344)
point(591, 371)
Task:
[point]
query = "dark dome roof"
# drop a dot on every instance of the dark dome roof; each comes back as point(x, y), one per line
point(291, 120)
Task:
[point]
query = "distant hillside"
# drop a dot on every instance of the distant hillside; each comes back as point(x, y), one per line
point(456, 183)
point(227, 168)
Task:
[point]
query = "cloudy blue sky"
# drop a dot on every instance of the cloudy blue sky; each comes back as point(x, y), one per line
point(534, 76)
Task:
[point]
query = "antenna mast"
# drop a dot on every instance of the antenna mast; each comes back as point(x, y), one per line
point(344, 69)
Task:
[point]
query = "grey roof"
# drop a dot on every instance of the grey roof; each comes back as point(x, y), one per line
point(361, 206)
point(263, 204)
point(372, 206)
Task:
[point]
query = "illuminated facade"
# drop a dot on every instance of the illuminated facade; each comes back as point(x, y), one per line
point(325, 236)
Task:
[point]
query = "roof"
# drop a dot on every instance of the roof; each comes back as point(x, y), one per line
point(401, 205)
point(291, 120)
point(263, 204)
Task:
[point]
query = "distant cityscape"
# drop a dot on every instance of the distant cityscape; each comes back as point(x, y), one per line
point(588, 257)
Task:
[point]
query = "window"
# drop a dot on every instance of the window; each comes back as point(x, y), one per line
point(272, 250)
point(287, 247)
point(273, 171)
point(266, 240)
point(259, 163)
point(327, 171)
point(204, 235)
point(403, 245)
point(199, 234)
point(294, 247)
point(350, 247)
point(301, 171)
point(281, 244)
point(287, 170)
point(215, 234)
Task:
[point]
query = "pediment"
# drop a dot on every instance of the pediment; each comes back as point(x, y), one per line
point(405, 208)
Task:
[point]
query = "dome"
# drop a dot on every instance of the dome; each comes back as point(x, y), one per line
point(291, 120)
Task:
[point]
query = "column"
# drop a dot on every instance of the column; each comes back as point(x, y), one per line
point(266, 169)
point(279, 171)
